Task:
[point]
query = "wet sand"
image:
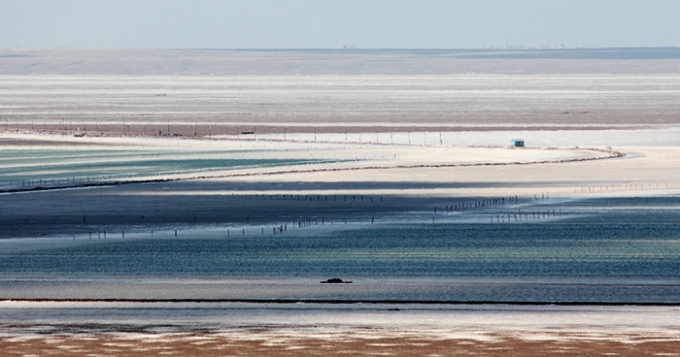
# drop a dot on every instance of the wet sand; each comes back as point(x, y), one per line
point(259, 344)
point(81, 329)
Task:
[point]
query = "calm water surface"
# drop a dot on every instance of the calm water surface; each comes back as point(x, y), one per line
point(614, 250)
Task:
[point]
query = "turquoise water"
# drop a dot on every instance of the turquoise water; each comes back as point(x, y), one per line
point(47, 167)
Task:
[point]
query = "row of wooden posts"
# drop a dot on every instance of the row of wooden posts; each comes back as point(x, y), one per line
point(55, 181)
point(279, 229)
point(67, 128)
point(501, 218)
point(459, 207)
point(311, 198)
point(478, 204)
point(629, 186)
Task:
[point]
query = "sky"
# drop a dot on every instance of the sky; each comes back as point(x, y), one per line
point(378, 24)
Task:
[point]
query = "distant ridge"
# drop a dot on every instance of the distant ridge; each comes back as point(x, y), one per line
point(664, 60)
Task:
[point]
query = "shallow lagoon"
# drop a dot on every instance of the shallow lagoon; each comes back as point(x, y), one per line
point(40, 167)
point(625, 254)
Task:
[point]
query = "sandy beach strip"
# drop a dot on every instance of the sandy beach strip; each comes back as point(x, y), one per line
point(359, 342)
point(241, 329)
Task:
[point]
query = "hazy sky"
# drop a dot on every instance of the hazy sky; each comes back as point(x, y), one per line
point(334, 23)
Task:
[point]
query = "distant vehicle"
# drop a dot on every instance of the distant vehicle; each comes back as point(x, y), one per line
point(517, 143)
point(335, 281)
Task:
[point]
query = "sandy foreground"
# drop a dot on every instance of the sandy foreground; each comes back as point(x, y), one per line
point(342, 344)
point(404, 331)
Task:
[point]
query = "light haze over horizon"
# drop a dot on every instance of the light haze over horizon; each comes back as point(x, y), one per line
point(377, 24)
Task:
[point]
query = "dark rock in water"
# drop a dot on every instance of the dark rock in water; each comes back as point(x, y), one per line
point(335, 281)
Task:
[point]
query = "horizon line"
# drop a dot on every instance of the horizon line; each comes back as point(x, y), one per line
point(509, 48)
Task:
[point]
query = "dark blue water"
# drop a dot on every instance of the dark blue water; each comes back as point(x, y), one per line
point(637, 250)
point(629, 252)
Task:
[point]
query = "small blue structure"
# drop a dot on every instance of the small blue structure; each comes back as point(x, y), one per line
point(517, 143)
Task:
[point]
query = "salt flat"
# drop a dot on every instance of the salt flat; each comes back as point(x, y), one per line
point(242, 187)
point(192, 105)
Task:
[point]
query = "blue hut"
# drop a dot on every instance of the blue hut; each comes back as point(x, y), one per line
point(517, 143)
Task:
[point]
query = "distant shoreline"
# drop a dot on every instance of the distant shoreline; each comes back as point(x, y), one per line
point(338, 61)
